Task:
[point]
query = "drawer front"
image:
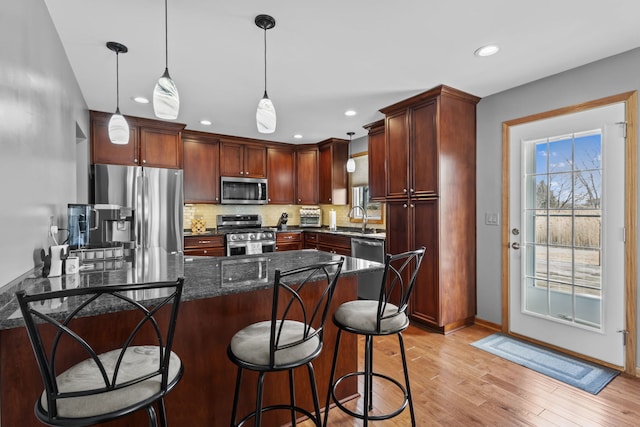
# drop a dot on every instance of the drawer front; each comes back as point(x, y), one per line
point(310, 237)
point(335, 250)
point(288, 237)
point(335, 240)
point(204, 252)
point(204, 242)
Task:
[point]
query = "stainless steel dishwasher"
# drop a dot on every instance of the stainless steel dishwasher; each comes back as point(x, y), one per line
point(369, 282)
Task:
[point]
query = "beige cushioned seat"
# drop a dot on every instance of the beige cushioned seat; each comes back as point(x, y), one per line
point(137, 361)
point(251, 344)
point(362, 315)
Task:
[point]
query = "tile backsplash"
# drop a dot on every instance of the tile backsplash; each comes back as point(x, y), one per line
point(270, 214)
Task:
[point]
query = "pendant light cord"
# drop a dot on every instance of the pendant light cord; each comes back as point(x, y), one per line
point(166, 37)
point(265, 62)
point(117, 82)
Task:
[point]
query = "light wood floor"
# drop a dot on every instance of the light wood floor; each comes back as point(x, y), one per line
point(456, 384)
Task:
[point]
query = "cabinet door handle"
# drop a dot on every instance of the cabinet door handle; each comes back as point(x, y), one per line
point(412, 190)
point(144, 161)
point(135, 160)
point(241, 173)
point(404, 190)
point(246, 172)
point(412, 205)
point(404, 205)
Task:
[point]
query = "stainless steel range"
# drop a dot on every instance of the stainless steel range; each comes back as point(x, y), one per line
point(244, 234)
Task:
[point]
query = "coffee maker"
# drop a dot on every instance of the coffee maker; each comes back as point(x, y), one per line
point(93, 226)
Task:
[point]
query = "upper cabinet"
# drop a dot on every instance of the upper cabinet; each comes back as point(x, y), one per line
point(281, 175)
point(201, 175)
point(377, 157)
point(243, 160)
point(333, 184)
point(306, 175)
point(152, 143)
point(411, 148)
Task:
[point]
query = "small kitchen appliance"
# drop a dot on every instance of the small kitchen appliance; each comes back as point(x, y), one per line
point(310, 216)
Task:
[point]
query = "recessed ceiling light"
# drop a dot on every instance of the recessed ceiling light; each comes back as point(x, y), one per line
point(297, 136)
point(488, 50)
point(205, 122)
point(141, 100)
point(350, 113)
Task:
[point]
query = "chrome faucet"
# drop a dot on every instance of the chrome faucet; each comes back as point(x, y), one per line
point(364, 217)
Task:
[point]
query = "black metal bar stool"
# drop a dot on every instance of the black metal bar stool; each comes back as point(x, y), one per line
point(290, 339)
point(386, 316)
point(134, 374)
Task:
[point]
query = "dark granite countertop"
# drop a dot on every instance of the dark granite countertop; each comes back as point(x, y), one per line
point(205, 277)
point(371, 233)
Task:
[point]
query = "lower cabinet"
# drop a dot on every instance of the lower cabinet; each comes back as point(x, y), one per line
point(444, 293)
point(204, 246)
point(288, 241)
point(327, 242)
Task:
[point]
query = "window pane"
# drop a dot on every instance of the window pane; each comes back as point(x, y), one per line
point(588, 267)
point(588, 229)
point(587, 306)
point(536, 226)
point(560, 227)
point(542, 154)
point(560, 191)
point(588, 189)
point(561, 301)
point(560, 264)
point(535, 294)
point(560, 155)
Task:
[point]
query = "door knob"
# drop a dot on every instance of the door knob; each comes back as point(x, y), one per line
point(515, 245)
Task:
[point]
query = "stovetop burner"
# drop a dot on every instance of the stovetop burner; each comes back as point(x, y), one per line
point(248, 228)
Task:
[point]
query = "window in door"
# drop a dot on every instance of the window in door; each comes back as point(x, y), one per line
point(562, 230)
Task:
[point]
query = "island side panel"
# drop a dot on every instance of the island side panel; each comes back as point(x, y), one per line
point(205, 394)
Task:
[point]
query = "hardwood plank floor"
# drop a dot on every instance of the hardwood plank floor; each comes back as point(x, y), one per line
point(456, 384)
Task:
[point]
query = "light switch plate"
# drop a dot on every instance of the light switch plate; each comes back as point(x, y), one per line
point(491, 218)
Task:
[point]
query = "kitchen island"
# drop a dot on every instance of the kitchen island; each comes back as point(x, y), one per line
point(221, 295)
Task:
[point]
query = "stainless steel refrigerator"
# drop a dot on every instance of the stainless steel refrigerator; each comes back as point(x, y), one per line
point(155, 197)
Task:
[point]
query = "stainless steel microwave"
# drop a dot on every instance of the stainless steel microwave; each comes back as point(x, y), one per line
point(243, 191)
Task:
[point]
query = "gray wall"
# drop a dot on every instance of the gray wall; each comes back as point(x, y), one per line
point(600, 79)
point(43, 120)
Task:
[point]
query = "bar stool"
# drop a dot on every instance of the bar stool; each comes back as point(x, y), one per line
point(134, 374)
point(371, 318)
point(291, 338)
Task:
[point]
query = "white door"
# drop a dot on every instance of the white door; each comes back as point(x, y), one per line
point(566, 284)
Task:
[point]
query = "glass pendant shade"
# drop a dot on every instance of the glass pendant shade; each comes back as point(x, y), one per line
point(351, 165)
point(166, 101)
point(118, 129)
point(266, 116)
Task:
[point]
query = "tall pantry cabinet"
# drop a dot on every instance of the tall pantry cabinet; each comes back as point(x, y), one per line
point(430, 144)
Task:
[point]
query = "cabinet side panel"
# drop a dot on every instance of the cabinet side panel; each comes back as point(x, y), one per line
point(458, 208)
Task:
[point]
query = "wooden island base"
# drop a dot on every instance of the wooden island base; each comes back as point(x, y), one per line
point(204, 396)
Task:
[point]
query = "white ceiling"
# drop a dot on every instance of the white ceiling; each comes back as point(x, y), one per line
point(325, 57)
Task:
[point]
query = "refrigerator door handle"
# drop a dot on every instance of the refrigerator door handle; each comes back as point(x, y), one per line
point(138, 191)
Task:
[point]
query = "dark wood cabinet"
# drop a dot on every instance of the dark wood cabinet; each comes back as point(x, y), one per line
point(307, 175)
point(152, 143)
point(431, 200)
point(201, 175)
point(243, 160)
point(288, 241)
point(377, 157)
point(333, 184)
point(328, 242)
point(204, 245)
point(281, 175)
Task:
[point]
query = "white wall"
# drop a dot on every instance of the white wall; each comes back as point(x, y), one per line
point(600, 79)
point(41, 113)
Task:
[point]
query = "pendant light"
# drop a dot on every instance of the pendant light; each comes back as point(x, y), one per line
point(166, 101)
point(351, 164)
point(266, 113)
point(118, 127)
